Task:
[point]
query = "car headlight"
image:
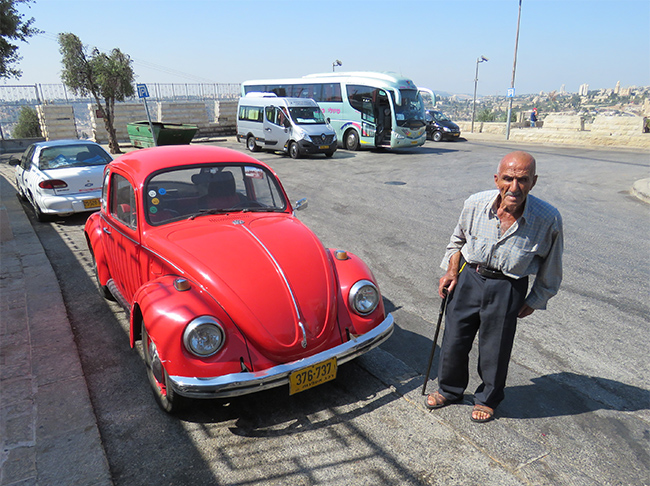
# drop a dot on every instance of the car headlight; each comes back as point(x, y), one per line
point(204, 336)
point(364, 297)
point(446, 129)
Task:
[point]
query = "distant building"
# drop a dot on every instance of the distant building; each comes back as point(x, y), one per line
point(584, 90)
point(563, 89)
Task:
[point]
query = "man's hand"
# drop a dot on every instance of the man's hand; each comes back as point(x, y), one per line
point(447, 283)
point(525, 311)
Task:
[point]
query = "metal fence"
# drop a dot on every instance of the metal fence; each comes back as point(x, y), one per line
point(59, 93)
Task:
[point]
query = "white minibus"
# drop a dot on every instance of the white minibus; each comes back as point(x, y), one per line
point(291, 125)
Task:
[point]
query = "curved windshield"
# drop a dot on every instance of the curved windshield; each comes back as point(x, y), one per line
point(410, 113)
point(188, 192)
point(307, 115)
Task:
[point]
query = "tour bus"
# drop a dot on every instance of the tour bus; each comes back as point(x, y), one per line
point(292, 125)
point(366, 109)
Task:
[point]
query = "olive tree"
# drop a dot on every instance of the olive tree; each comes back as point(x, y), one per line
point(12, 27)
point(27, 125)
point(106, 77)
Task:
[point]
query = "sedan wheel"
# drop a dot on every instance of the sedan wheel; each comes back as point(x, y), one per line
point(103, 289)
point(437, 136)
point(40, 216)
point(169, 401)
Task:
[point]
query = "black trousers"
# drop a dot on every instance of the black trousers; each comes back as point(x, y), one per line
point(490, 307)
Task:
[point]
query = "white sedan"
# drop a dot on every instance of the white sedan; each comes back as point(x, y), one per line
point(62, 177)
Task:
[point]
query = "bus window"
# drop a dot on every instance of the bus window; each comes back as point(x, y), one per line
point(331, 92)
point(307, 91)
point(362, 99)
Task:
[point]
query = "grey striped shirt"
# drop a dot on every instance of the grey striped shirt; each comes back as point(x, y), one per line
point(532, 245)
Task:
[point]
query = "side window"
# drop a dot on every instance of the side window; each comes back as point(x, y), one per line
point(122, 201)
point(26, 161)
point(250, 113)
point(331, 93)
point(270, 114)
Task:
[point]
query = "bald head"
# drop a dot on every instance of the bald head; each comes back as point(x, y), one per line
point(523, 161)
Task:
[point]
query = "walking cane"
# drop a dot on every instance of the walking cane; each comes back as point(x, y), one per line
point(443, 306)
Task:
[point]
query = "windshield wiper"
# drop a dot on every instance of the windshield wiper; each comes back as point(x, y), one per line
point(203, 212)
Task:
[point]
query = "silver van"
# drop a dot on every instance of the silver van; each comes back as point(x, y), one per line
point(292, 125)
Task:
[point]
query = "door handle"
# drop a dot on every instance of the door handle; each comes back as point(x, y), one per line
point(106, 230)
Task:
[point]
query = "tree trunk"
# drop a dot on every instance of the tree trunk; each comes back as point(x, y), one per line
point(109, 118)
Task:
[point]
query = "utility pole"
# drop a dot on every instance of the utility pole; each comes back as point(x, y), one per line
point(514, 67)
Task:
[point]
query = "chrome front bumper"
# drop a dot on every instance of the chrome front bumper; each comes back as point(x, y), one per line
point(237, 384)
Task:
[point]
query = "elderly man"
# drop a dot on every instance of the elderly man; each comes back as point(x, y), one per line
point(502, 237)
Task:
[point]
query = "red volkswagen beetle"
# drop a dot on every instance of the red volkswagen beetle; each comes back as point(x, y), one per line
point(229, 292)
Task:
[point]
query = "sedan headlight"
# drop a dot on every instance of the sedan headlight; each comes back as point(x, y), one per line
point(364, 297)
point(204, 336)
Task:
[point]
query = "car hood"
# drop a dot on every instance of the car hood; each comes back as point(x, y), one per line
point(269, 273)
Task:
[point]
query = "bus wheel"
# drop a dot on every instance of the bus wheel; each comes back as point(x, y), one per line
point(294, 150)
point(252, 146)
point(351, 140)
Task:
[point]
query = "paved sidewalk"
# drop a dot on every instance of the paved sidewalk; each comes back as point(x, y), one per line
point(48, 430)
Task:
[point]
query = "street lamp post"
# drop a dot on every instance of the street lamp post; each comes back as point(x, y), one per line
point(514, 67)
point(336, 63)
point(480, 59)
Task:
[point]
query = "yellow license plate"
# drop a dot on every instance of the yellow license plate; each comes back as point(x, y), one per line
point(311, 376)
point(324, 147)
point(91, 203)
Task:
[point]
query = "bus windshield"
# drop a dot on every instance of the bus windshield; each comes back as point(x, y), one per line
point(411, 112)
point(307, 115)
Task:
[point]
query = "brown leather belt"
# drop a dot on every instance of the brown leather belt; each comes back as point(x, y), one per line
point(488, 272)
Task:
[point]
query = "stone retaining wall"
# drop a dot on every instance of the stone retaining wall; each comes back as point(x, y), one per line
point(56, 121)
point(125, 113)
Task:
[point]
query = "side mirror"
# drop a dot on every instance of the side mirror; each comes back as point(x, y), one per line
point(14, 161)
point(301, 204)
point(329, 120)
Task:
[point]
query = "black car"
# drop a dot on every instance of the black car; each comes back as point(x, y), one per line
point(439, 127)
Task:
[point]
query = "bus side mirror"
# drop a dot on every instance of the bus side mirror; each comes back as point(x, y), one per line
point(329, 120)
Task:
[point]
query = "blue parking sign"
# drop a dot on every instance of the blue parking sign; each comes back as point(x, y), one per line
point(511, 93)
point(143, 92)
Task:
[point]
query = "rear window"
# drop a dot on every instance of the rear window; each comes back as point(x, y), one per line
point(64, 156)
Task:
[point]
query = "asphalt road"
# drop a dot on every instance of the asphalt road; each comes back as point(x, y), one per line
point(577, 408)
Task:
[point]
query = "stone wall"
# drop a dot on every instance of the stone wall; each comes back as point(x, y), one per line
point(617, 125)
point(125, 113)
point(56, 121)
point(559, 121)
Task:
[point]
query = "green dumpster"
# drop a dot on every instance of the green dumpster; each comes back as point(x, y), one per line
point(165, 133)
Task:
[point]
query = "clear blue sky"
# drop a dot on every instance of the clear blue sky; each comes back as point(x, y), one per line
point(435, 43)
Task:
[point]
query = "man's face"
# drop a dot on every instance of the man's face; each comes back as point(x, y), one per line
point(515, 178)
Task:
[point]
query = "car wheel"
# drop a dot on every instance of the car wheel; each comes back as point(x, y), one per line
point(294, 150)
point(351, 140)
point(437, 136)
point(20, 193)
point(103, 289)
point(40, 216)
point(252, 146)
point(169, 401)
point(329, 154)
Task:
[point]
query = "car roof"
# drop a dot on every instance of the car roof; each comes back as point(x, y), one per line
point(142, 162)
point(57, 143)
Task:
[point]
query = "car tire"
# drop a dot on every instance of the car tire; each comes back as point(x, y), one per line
point(351, 140)
point(251, 145)
point(165, 396)
point(329, 154)
point(437, 137)
point(294, 150)
point(103, 289)
point(41, 217)
point(20, 193)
